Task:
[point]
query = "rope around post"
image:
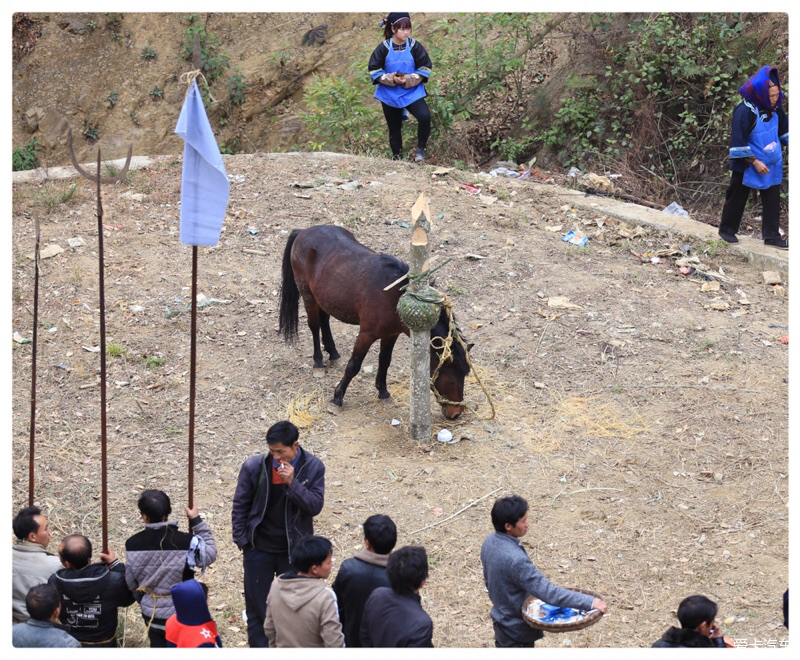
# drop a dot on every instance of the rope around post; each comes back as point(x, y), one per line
point(447, 354)
point(189, 76)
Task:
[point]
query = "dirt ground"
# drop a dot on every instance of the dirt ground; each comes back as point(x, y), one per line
point(647, 426)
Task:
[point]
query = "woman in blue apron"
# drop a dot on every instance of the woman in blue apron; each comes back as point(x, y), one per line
point(760, 129)
point(399, 68)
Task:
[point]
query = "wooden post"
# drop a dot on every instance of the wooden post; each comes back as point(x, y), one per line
point(420, 413)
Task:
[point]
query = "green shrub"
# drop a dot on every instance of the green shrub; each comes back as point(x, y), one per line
point(25, 158)
point(156, 93)
point(237, 89)
point(149, 54)
point(213, 60)
point(152, 361)
point(91, 133)
point(112, 99)
point(337, 115)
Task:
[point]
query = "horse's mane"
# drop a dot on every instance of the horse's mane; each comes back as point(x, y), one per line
point(459, 354)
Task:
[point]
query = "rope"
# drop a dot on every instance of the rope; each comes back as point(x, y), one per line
point(147, 590)
point(189, 76)
point(445, 346)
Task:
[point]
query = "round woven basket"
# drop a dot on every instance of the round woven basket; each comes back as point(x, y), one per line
point(592, 617)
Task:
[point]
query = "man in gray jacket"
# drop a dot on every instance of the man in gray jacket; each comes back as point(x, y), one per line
point(31, 564)
point(42, 629)
point(510, 577)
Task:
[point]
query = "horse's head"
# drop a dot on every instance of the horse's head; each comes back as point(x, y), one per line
point(449, 383)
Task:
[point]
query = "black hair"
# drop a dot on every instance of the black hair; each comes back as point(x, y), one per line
point(155, 505)
point(42, 601)
point(282, 433)
point(508, 510)
point(407, 568)
point(402, 22)
point(77, 550)
point(24, 523)
point(381, 533)
point(695, 610)
point(310, 551)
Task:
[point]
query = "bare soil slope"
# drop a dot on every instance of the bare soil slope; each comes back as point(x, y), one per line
point(646, 425)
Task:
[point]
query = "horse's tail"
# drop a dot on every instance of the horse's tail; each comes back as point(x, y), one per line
point(290, 294)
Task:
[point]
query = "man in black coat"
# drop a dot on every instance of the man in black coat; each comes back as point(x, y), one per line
point(698, 629)
point(393, 616)
point(277, 496)
point(90, 593)
point(361, 575)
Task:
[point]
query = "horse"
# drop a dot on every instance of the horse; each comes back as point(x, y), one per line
point(338, 276)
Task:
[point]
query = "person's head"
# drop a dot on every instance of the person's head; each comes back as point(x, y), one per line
point(30, 525)
point(407, 569)
point(282, 441)
point(397, 23)
point(75, 551)
point(311, 556)
point(43, 602)
point(697, 613)
point(380, 534)
point(510, 516)
point(154, 505)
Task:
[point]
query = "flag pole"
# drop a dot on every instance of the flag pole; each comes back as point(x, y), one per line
point(192, 376)
point(103, 456)
point(32, 450)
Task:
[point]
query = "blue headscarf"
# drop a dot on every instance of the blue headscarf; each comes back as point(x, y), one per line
point(756, 90)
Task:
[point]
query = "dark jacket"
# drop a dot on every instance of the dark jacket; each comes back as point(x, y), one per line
point(744, 121)
point(356, 580)
point(422, 61)
point(685, 638)
point(89, 600)
point(159, 557)
point(393, 620)
point(304, 498)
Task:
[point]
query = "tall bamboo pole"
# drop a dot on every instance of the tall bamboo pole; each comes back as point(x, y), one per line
point(420, 412)
point(103, 455)
point(192, 375)
point(32, 450)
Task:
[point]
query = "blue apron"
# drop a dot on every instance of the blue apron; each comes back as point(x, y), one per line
point(766, 147)
point(399, 61)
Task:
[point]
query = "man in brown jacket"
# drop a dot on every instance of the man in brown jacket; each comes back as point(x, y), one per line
point(301, 610)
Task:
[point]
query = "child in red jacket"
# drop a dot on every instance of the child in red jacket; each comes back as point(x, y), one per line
point(191, 626)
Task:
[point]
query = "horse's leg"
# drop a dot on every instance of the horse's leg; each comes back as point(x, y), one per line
point(384, 360)
point(327, 337)
point(363, 342)
point(313, 313)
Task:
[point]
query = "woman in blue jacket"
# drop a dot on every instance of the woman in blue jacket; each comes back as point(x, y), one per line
point(760, 129)
point(399, 68)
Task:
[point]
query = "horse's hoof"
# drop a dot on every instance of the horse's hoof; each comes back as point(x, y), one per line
point(384, 395)
point(334, 408)
point(333, 357)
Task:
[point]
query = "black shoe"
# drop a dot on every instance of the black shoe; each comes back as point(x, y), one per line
point(420, 155)
point(780, 243)
point(730, 238)
point(397, 156)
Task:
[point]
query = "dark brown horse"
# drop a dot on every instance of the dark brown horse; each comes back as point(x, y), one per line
point(338, 276)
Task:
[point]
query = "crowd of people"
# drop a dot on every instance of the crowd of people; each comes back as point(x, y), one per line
point(65, 600)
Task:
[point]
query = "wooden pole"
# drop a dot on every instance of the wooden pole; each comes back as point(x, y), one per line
point(32, 450)
point(192, 373)
point(420, 413)
point(103, 456)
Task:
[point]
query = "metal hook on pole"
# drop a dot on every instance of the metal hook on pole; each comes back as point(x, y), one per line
point(98, 179)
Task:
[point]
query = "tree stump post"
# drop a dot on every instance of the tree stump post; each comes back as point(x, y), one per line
point(420, 412)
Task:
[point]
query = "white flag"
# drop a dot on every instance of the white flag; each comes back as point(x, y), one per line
point(204, 187)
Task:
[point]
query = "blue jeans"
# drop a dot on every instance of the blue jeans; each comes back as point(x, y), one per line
point(260, 568)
